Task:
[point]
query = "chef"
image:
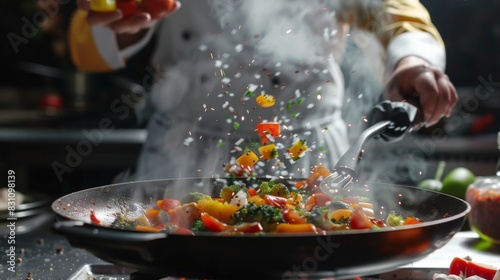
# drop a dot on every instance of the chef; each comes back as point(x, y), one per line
point(228, 65)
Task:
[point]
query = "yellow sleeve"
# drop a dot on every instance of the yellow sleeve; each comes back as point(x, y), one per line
point(389, 18)
point(406, 16)
point(83, 50)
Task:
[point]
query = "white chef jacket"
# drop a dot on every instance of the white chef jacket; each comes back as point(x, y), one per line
point(204, 114)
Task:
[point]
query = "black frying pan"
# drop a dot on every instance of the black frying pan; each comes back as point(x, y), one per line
point(284, 256)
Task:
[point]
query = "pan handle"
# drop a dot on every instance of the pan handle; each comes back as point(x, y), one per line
point(75, 230)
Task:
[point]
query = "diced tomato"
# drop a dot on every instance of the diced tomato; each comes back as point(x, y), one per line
point(93, 218)
point(293, 217)
point(276, 201)
point(411, 221)
point(320, 199)
point(359, 220)
point(252, 192)
point(169, 203)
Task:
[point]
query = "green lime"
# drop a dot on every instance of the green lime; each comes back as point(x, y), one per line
point(456, 182)
point(431, 184)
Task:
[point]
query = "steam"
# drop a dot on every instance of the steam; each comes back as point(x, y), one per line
point(281, 30)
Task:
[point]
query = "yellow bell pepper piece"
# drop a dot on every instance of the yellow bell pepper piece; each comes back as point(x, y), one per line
point(257, 200)
point(265, 100)
point(268, 152)
point(103, 5)
point(339, 214)
point(248, 159)
point(220, 210)
point(296, 228)
point(297, 149)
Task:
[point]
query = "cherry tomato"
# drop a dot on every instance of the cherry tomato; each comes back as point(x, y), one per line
point(157, 8)
point(128, 7)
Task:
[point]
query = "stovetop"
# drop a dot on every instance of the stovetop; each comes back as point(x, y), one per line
point(47, 256)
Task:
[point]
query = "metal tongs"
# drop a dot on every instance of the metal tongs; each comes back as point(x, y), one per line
point(387, 120)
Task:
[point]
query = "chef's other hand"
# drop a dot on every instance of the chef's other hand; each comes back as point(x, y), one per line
point(115, 20)
point(418, 82)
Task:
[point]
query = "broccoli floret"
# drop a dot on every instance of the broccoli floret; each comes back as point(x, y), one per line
point(123, 223)
point(198, 226)
point(163, 217)
point(228, 192)
point(394, 220)
point(273, 188)
point(268, 216)
point(194, 197)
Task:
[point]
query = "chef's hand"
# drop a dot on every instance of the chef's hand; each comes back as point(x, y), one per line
point(128, 30)
point(418, 82)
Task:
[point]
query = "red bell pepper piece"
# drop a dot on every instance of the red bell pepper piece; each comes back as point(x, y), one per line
point(212, 223)
point(268, 128)
point(465, 268)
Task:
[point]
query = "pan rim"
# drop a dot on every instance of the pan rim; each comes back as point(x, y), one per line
point(56, 203)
